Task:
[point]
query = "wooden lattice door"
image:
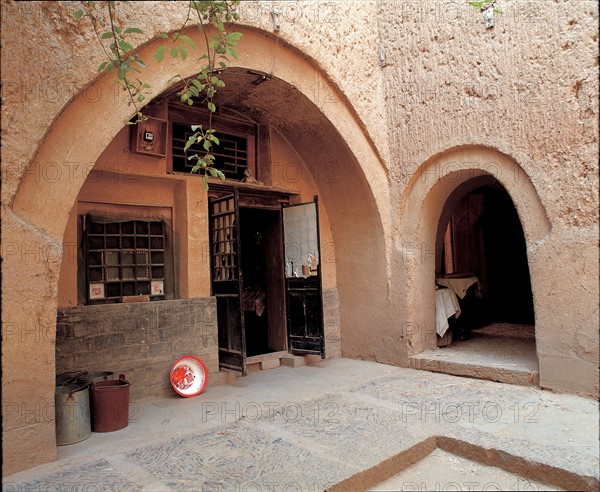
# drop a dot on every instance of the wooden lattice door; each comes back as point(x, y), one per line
point(227, 280)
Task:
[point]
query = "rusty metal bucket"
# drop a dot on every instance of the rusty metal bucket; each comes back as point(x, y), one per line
point(72, 406)
point(110, 404)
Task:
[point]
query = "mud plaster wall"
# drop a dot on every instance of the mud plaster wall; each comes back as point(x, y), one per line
point(528, 88)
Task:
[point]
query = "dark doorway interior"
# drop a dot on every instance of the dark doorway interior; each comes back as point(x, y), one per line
point(262, 272)
point(484, 237)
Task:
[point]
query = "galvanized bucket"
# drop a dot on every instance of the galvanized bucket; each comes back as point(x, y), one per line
point(88, 377)
point(72, 404)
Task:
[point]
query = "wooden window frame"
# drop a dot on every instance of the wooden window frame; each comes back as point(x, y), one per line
point(223, 124)
point(107, 237)
point(110, 212)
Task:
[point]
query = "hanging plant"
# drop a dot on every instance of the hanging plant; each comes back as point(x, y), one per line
point(121, 59)
point(488, 9)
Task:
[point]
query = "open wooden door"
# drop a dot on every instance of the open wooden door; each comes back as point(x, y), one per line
point(306, 334)
point(226, 274)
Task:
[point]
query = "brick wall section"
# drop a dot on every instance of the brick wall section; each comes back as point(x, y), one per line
point(331, 320)
point(140, 340)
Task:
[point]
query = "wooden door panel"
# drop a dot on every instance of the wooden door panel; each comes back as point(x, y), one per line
point(306, 334)
point(227, 282)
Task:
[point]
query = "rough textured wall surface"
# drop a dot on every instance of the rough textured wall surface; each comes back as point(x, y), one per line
point(61, 113)
point(528, 88)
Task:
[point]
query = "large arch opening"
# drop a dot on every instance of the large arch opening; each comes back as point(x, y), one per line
point(323, 139)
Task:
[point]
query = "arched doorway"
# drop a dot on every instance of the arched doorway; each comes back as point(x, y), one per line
point(481, 254)
point(431, 197)
point(479, 232)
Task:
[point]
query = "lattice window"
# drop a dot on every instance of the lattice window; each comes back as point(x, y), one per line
point(125, 258)
point(231, 155)
point(224, 260)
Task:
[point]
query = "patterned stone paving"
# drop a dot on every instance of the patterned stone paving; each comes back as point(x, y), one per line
point(352, 431)
point(95, 476)
point(332, 420)
point(237, 457)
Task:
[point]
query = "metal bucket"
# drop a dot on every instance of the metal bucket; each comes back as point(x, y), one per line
point(72, 405)
point(88, 377)
point(110, 404)
point(67, 378)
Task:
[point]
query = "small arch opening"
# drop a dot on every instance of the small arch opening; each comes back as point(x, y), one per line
point(482, 273)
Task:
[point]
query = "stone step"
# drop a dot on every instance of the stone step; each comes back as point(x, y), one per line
point(500, 373)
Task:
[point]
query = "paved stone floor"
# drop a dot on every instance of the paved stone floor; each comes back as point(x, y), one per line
point(311, 427)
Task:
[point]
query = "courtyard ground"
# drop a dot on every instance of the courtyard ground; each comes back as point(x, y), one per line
point(339, 425)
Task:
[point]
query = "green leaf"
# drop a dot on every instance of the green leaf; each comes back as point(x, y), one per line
point(135, 30)
point(190, 102)
point(109, 67)
point(198, 85)
point(162, 35)
point(174, 52)
point(183, 52)
point(234, 36)
point(211, 106)
point(188, 40)
point(214, 139)
point(196, 127)
point(102, 65)
point(233, 53)
point(117, 29)
point(189, 143)
point(106, 35)
point(160, 53)
point(206, 145)
point(125, 46)
point(78, 14)
point(141, 97)
point(121, 72)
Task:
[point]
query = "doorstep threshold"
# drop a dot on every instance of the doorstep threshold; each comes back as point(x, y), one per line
point(266, 357)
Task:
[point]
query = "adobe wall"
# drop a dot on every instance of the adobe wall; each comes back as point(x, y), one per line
point(74, 117)
point(519, 102)
point(528, 90)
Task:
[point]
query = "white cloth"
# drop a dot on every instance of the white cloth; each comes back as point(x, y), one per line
point(446, 305)
point(458, 285)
